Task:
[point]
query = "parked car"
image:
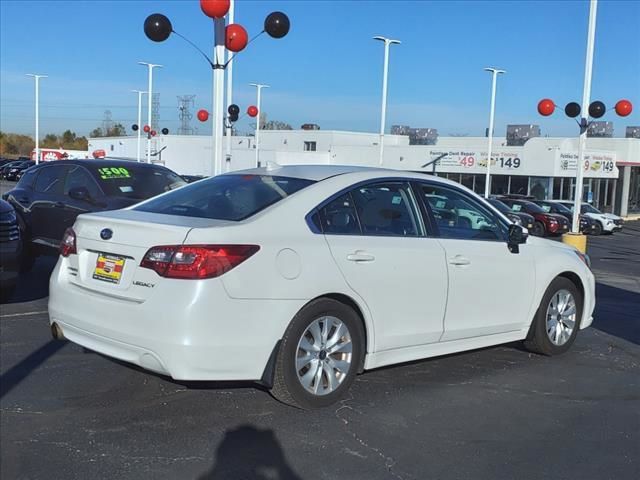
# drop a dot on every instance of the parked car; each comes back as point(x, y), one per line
point(15, 172)
point(50, 196)
point(10, 250)
point(519, 218)
point(545, 224)
point(605, 222)
point(587, 225)
point(8, 166)
point(301, 277)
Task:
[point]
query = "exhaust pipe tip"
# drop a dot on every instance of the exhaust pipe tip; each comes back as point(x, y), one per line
point(56, 331)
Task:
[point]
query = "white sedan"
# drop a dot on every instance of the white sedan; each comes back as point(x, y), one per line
point(301, 277)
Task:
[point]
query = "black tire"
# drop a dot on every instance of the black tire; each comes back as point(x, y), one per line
point(538, 229)
point(287, 387)
point(28, 257)
point(597, 229)
point(6, 292)
point(538, 340)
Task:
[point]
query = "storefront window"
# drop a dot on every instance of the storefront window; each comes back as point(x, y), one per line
point(539, 187)
point(467, 181)
point(519, 185)
point(479, 187)
point(499, 184)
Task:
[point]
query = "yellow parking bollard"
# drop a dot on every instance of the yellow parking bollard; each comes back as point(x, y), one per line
point(577, 240)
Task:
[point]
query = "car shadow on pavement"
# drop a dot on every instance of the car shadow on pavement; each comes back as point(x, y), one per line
point(16, 374)
point(34, 284)
point(617, 312)
point(250, 453)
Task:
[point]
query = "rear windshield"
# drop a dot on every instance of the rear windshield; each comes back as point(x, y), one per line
point(135, 181)
point(226, 197)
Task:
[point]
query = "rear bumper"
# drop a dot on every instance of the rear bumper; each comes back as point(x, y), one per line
point(188, 330)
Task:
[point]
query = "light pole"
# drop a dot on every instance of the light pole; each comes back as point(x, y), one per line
point(494, 73)
point(586, 94)
point(259, 87)
point(140, 93)
point(383, 115)
point(229, 128)
point(150, 67)
point(37, 79)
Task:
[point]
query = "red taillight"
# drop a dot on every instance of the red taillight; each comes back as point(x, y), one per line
point(68, 243)
point(196, 261)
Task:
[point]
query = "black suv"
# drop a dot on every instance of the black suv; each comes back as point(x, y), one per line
point(50, 196)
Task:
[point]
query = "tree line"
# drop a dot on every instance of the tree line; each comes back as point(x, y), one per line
point(15, 144)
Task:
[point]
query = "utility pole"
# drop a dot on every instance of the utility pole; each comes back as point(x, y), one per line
point(37, 139)
point(259, 87)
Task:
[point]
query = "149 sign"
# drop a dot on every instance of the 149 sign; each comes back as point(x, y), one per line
point(509, 162)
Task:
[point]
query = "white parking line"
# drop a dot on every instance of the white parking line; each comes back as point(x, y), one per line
point(23, 314)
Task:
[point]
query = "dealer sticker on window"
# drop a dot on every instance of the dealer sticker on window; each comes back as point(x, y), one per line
point(108, 268)
point(113, 172)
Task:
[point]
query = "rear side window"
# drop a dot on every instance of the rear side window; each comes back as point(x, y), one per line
point(51, 179)
point(339, 217)
point(226, 197)
point(80, 177)
point(386, 209)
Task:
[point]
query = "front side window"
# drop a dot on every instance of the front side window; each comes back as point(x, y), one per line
point(459, 216)
point(51, 179)
point(386, 209)
point(226, 197)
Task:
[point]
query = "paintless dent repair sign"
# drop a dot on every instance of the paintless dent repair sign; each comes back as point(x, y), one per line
point(502, 161)
point(600, 164)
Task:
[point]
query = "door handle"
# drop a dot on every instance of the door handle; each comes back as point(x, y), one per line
point(23, 200)
point(360, 256)
point(459, 260)
point(59, 205)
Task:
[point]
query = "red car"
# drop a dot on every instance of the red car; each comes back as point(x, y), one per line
point(545, 223)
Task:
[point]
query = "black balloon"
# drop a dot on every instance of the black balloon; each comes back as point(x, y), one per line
point(276, 24)
point(233, 117)
point(165, 131)
point(157, 27)
point(233, 109)
point(572, 109)
point(134, 127)
point(597, 109)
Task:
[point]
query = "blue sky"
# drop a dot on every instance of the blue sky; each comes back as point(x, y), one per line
point(328, 70)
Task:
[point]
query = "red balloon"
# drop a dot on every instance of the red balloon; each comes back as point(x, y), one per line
point(203, 115)
point(146, 129)
point(236, 37)
point(215, 8)
point(153, 133)
point(546, 107)
point(252, 111)
point(624, 108)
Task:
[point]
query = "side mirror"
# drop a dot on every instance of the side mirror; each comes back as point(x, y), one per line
point(517, 236)
point(80, 193)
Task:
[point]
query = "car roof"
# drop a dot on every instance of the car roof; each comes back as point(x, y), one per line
point(101, 163)
point(307, 172)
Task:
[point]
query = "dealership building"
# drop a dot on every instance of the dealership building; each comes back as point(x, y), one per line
point(540, 166)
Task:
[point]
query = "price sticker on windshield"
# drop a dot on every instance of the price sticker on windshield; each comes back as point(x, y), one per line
point(113, 172)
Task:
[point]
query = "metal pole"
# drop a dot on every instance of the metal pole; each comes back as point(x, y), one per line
point(229, 91)
point(259, 87)
point(150, 67)
point(37, 113)
point(584, 123)
point(385, 75)
point(218, 94)
point(487, 182)
point(140, 93)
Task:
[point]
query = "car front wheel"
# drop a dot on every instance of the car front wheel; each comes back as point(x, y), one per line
point(320, 354)
point(538, 229)
point(597, 229)
point(557, 321)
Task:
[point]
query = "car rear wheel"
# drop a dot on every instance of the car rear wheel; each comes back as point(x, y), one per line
point(597, 229)
point(557, 320)
point(320, 354)
point(538, 229)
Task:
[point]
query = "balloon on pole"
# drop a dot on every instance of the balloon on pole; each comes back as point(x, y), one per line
point(623, 108)
point(236, 37)
point(546, 107)
point(134, 127)
point(215, 8)
point(252, 111)
point(597, 109)
point(203, 115)
point(276, 24)
point(572, 110)
point(165, 131)
point(153, 133)
point(157, 27)
point(146, 129)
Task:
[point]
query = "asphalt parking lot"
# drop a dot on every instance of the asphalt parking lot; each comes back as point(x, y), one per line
point(499, 412)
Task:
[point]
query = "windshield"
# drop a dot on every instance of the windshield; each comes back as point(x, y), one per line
point(586, 208)
point(226, 197)
point(135, 181)
point(562, 208)
point(527, 207)
point(500, 206)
